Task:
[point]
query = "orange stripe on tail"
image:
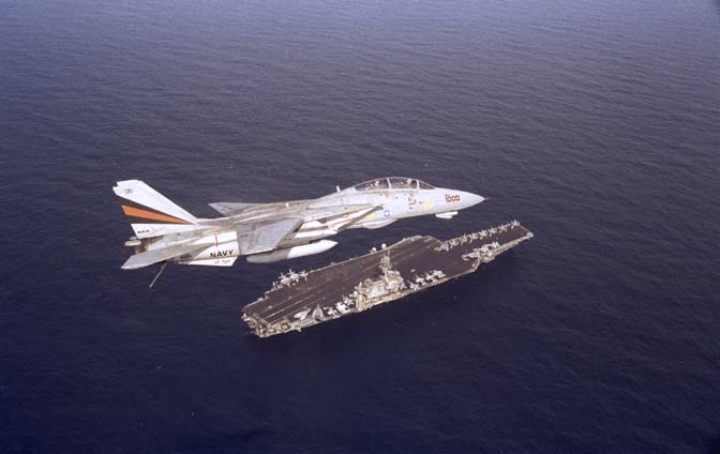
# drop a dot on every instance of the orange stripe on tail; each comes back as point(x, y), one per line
point(150, 215)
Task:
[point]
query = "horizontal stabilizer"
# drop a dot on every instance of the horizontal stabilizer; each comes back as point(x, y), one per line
point(148, 258)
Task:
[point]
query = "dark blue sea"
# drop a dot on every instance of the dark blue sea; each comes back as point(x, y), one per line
point(595, 123)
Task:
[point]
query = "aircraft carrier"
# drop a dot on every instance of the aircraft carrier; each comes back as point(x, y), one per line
point(298, 300)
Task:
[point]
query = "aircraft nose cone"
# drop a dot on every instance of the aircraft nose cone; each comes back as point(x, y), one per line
point(471, 199)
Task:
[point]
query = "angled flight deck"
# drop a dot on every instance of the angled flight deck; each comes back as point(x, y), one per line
point(300, 300)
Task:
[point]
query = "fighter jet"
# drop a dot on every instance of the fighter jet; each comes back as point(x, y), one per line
point(269, 232)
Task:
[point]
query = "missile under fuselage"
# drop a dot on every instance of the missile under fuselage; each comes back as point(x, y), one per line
point(303, 250)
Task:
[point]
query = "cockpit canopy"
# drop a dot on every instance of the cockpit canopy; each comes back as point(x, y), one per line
point(392, 183)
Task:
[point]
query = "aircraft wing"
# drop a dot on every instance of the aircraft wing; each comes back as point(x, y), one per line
point(256, 238)
point(330, 212)
point(148, 258)
point(230, 208)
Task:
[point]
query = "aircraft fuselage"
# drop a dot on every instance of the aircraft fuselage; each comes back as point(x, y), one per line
point(268, 232)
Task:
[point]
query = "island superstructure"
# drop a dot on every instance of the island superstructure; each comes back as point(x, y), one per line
point(298, 300)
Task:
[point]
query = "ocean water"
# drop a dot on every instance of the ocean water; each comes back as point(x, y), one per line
point(593, 123)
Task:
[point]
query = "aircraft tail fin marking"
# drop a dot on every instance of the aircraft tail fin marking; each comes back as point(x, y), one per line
point(150, 215)
point(149, 205)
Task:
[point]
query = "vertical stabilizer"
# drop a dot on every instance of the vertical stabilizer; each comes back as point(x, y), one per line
point(151, 213)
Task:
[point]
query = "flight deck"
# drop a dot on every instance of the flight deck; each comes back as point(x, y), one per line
point(298, 300)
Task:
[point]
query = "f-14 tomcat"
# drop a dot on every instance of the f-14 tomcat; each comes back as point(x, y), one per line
point(269, 232)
